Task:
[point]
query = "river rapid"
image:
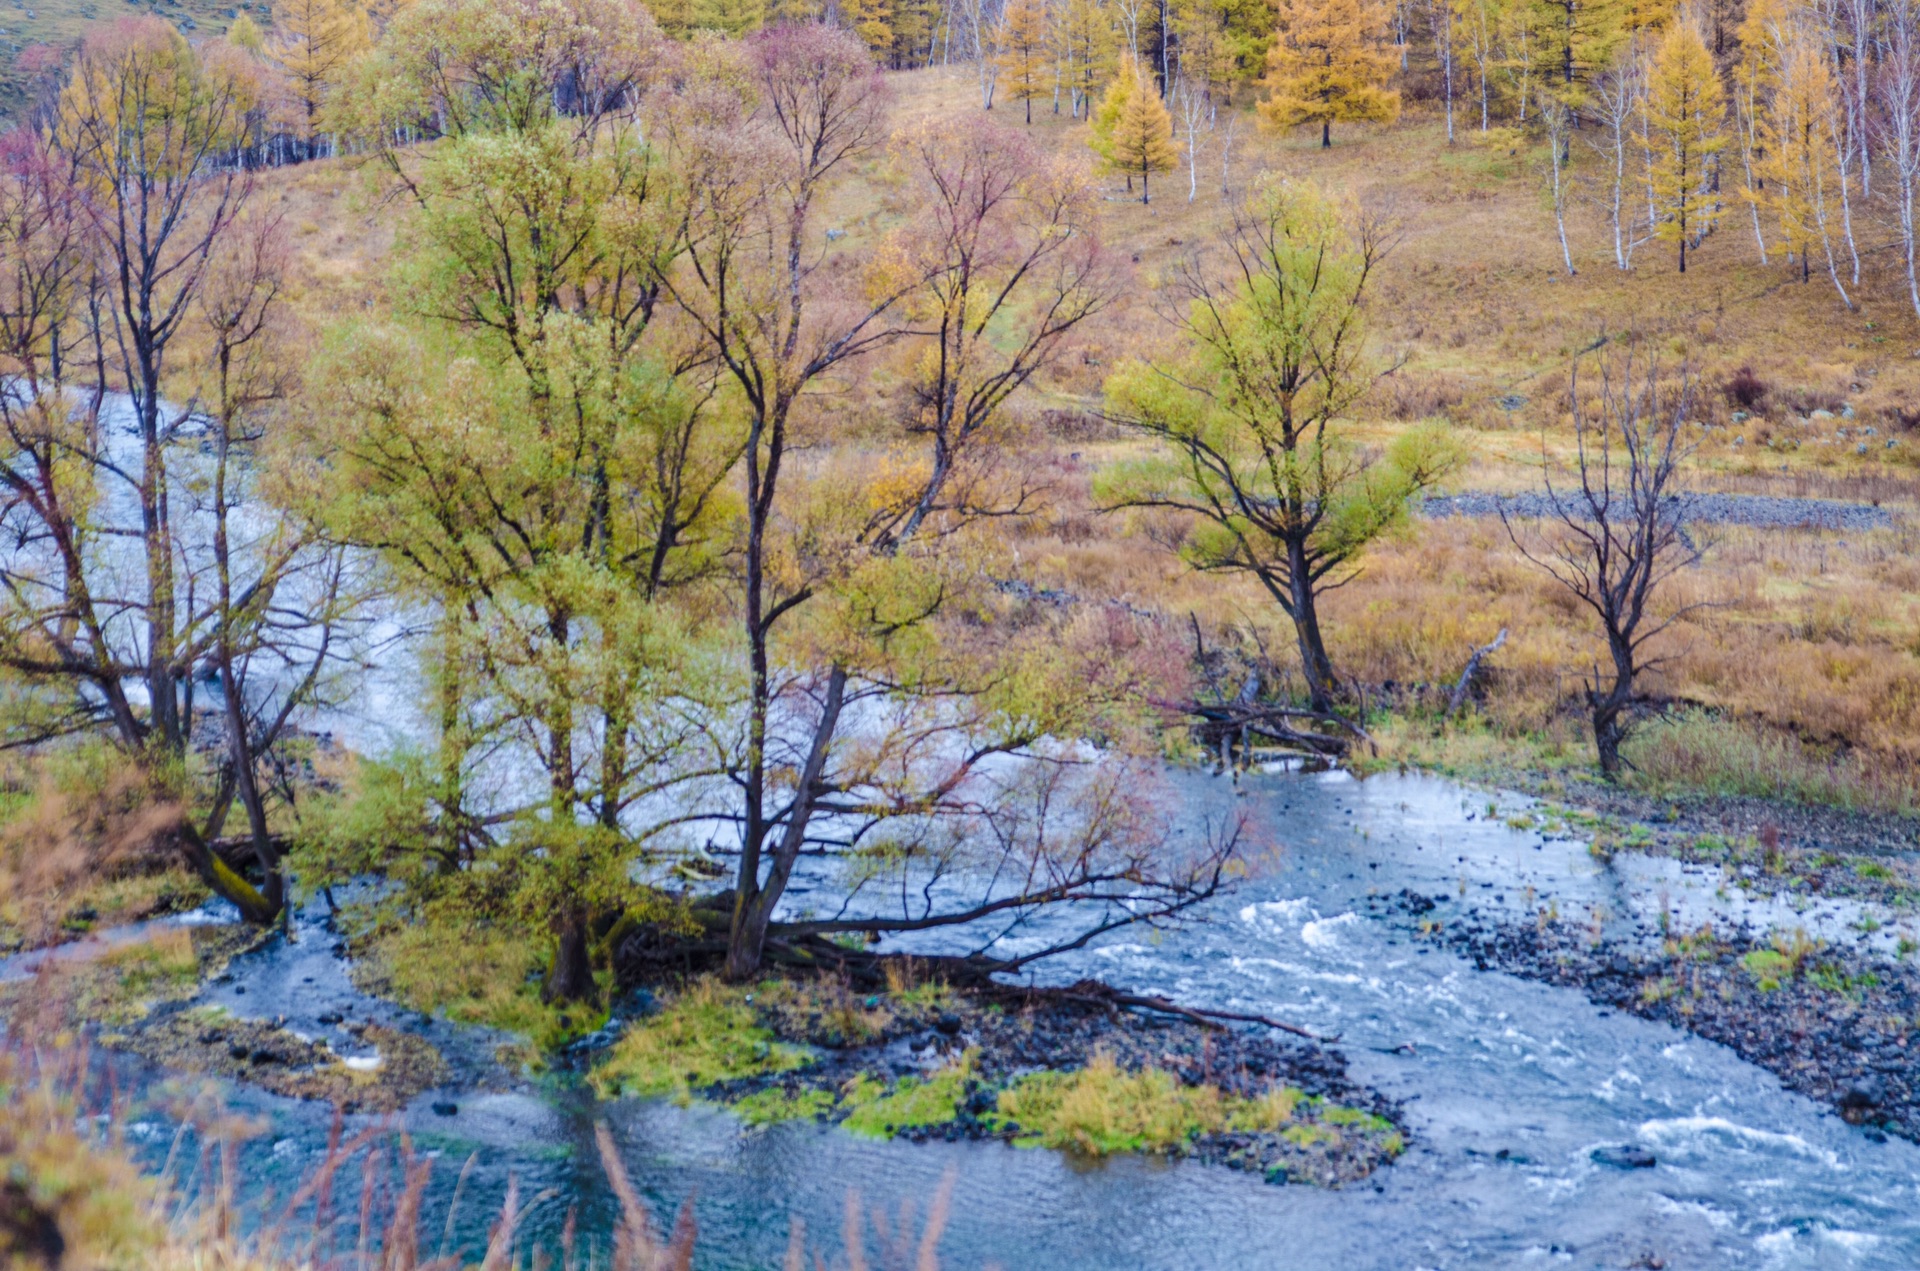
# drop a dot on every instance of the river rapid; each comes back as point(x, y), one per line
point(1508, 1088)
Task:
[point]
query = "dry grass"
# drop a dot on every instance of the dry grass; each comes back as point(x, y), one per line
point(1811, 634)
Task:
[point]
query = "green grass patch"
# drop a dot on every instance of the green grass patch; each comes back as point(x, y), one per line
point(774, 1105)
point(707, 1034)
point(1102, 1109)
point(913, 1103)
point(471, 972)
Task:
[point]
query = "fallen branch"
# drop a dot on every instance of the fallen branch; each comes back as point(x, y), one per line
point(1465, 685)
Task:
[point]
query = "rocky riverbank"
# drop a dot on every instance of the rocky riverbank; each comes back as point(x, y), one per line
point(1064, 1070)
point(1834, 1023)
point(139, 993)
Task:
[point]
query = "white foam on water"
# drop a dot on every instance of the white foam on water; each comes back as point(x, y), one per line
point(1680, 1129)
point(1296, 971)
point(1322, 933)
point(1288, 910)
point(1719, 1219)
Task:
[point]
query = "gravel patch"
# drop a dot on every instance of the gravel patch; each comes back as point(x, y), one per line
point(1758, 510)
point(1838, 1027)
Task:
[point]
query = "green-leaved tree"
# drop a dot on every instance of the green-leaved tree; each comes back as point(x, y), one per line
point(1253, 418)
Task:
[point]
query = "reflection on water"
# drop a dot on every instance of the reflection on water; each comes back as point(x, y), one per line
point(1509, 1086)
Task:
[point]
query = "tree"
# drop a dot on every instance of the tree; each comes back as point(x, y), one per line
point(1113, 104)
point(1618, 97)
point(536, 465)
point(1251, 422)
point(879, 718)
point(1897, 88)
point(1195, 118)
point(1441, 19)
point(1024, 40)
point(1798, 161)
point(1329, 64)
point(1687, 111)
point(1141, 141)
point(1086, 36)
point(1557, 122)
point(313, 41)
point(1764, 35)
point(1005, 263)
point(872, 21)
point(144, 125)
point(1578, 37)
point(1613, 536)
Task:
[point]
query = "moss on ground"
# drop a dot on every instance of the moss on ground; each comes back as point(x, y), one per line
point(707, 1034)
point(469, 971)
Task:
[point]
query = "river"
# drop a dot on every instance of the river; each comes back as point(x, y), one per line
point(1508, 1087)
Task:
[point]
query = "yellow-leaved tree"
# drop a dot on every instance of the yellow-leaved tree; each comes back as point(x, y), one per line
point(1139, 139)
point(1025, 51)
point(313, 41)
point(1798, 165)
point(1329, 65)
point(1686, 115)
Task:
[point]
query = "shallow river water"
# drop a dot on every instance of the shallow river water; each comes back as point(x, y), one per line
point(1508, 1088)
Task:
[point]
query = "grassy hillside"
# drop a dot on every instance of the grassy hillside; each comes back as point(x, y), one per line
point(61, 23)
point(1811, 635)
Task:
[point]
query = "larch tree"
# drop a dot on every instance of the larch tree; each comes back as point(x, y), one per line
point(1799, 159)
point(313, 41)
point(1088, 41)
point(1578, 37)
point(1025, 42)
point(1141, 142)
point(1106, 114)
point(1254, 420)
point(1687, 111)
point(1329, 64)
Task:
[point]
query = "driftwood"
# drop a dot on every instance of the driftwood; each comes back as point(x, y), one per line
point(1465, 686)
point(866, 969)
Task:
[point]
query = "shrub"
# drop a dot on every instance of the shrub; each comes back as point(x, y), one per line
point(1744, 389)
point(1700, 751)
point(708, 1034)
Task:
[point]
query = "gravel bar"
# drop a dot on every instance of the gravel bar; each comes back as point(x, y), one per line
point(1764, 511)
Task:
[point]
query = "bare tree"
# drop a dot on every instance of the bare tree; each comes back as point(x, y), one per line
point(1558, 122)
point(1898, 88)
point(1192, 115)
point(1612, 534)
point(1616, 99)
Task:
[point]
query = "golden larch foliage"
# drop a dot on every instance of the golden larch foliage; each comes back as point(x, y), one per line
point(1330, 65)
point(1797, 165)
point(313, 41)
point(1686, 116)
point(1024, 51)
point(1140, 142)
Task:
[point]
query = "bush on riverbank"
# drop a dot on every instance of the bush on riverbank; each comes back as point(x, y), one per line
point(440, 960)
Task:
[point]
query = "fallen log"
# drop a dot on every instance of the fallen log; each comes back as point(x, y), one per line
point(1465, 686)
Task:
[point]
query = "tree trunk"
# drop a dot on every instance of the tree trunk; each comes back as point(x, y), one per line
point(754, 900)
point(1314, 662)
point(571, 977)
